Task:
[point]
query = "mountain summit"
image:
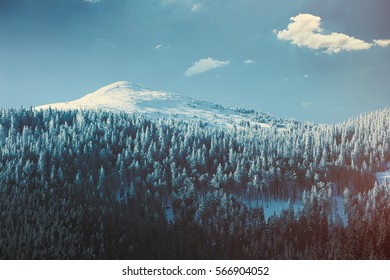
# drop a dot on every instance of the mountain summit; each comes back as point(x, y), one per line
point(126, 97)
point(119, 96)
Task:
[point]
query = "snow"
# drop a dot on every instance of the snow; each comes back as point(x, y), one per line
point(340, 210)
point(273, 206)
point(168, 211)
point(126, 97)
point(169, 216)
point(276, 206)
point(383, 178)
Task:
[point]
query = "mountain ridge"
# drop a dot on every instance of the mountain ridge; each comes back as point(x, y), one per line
point(126, 97)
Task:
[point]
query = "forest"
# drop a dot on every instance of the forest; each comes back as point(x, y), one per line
point(82, 184)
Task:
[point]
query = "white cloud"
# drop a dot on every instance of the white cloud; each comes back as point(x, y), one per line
point(158, 46)
point(382, 43)
point(306, 104)
point(305, 30)
point(92, 1)
point(196, 7)
point(249, 61)
point(186, 4)
point(204, 65)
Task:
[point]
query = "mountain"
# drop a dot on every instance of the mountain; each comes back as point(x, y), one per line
point(126, 97)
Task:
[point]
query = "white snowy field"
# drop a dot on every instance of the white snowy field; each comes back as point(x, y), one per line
point(275, 207)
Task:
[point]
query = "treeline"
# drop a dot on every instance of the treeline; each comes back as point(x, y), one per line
point(85, 185)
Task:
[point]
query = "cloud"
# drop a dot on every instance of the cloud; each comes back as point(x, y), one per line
point(158, 46)
point(196, 7)
point(186, 4)
point(306, 76)
point(204, 65)
point(249, 61)
point(305, 30)
point(306, 104)
point(382, 43)
point(92, 1)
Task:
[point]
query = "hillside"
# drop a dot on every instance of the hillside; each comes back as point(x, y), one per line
point(93, 184)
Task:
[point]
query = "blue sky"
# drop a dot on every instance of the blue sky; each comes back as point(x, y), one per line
point(319, 60)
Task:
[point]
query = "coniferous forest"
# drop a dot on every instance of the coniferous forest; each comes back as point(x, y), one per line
point(99, 185)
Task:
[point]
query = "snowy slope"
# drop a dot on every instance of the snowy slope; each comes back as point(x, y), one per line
point(383, 178)
point(125, 97)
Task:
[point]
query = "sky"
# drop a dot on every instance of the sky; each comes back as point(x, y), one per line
point(316, 60)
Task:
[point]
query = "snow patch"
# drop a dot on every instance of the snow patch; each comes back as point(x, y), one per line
point(273, 206)
point(383, 178)
point(169, 216)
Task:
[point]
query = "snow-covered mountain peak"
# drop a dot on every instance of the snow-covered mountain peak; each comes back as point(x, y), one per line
point(127, 97)
point(125, 89)
point(114, 86)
